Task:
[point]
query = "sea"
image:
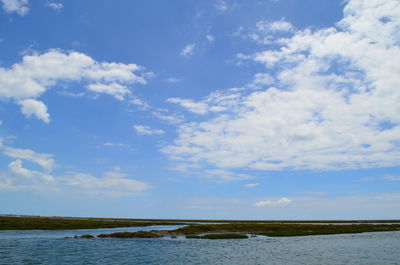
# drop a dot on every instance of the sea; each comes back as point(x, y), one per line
point(53, 247)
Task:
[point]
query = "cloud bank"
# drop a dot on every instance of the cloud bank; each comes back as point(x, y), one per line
point(329, 99)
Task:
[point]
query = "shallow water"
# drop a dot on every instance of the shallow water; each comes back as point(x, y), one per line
point(50, 247)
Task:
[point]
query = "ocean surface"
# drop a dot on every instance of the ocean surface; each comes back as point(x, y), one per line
point(50, 247)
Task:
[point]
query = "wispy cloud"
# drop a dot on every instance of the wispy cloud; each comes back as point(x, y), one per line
point(46, 161)
point(224, 6)
point(173, 80)
point(188, 50)
point(146, 130)
point(391, 178)
point(56, 6)
point(210, 38)
point(251, 185)
point(269, 203)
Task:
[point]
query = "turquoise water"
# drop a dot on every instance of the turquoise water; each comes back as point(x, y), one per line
point(50, 247)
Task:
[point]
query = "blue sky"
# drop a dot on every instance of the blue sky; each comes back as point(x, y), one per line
point(262, 109)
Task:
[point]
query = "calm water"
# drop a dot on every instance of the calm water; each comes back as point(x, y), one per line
point(49, 247)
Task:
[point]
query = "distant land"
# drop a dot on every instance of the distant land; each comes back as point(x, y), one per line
point(207, 229)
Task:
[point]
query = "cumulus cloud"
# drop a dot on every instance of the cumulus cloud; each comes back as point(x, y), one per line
point(188, 50)
point(268, 203)
point(46, 161)
point(39, 72)
point(33, 107)
point(328, 100)
point(17, 169)
point(33, 176)
point(18, 6)
point(146, 130)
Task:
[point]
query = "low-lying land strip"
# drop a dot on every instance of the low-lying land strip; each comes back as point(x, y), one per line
point(52, 223)
point(230, 231)
point(222, 229)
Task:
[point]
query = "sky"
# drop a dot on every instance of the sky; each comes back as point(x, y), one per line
point(214, 109)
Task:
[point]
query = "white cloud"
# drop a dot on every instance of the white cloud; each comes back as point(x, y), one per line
point(251, 185)
point(21, 179)
point(391, 178)
point(333, 103)
point(188, 50)
point(56, 6)
point(268, 203)
point(46, 161)
point(33, 107)
point(39, 72)
point(17, 169)
point(18, 6)
point(117, 90)
point(146, 130)
point(111, 183)
point(262, 80)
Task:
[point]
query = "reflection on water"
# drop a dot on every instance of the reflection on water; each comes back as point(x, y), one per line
point(50, 247)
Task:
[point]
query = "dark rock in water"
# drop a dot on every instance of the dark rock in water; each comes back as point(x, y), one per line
point(84, 236)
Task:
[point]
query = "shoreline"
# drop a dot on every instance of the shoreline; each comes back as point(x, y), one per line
point(207, 229)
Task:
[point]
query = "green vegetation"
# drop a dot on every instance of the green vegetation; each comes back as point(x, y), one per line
point(49, 223)
point(219, 236)
point(139, 234)
point(228, 229)
point(275, 230)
